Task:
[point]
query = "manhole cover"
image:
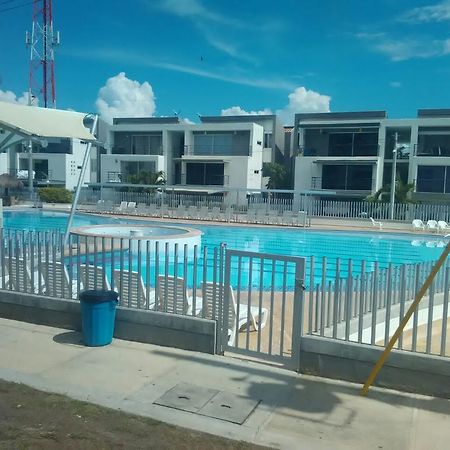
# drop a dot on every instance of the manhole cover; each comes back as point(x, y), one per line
point(208, 402)
point(229, 407)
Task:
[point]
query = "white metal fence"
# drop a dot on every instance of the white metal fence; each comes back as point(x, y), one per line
point(240, 201)
point(262, 290)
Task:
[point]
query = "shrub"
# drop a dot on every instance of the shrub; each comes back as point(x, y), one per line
point(55, 195)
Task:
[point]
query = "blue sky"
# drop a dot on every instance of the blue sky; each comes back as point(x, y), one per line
point(205, 56)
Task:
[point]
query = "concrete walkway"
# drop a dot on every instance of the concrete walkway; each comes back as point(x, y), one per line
point(296, 412)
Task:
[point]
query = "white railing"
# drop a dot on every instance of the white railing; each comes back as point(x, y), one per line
point(357, 303)
point(241, 200)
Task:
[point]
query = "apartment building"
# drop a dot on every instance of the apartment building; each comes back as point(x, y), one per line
point(351, 153)
point(205, 157)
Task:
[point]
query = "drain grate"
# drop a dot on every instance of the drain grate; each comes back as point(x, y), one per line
point(208, 402)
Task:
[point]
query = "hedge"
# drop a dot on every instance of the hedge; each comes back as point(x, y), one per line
point(55, 195)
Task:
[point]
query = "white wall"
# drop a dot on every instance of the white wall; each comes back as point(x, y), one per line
point(305, 170)
point(4, 166)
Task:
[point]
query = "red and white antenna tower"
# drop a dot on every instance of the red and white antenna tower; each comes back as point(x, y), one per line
point(42, 43)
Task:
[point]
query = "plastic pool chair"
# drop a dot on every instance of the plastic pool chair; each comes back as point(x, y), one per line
point(122, 208)
point(19, 276)
point(93, 277)
point(173, 297)
point(57, 281)
point(417, 224)
point(211, 298)
point(376, 223)
point(432, 225)
point(443, 225)
point(131, 208)
point(132, 290)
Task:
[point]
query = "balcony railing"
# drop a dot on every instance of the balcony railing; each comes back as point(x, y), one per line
point(361, 184)
point(39, 176)
point(217, 150)
point(114, 177)
point(358, 151)
point(150, 151)
point(436, 151)
point(212, 180)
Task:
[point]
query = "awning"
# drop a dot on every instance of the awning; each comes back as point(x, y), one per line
point(20, 122)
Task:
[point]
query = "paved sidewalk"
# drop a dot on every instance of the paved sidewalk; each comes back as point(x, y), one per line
point(296, 412)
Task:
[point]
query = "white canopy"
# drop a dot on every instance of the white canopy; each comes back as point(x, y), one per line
point(20, 122)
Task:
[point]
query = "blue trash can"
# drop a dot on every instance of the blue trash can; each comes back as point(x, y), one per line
point(98, 313)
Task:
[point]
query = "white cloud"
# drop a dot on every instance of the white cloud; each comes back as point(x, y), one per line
point(195, 10)
point(221, 73)
point(10, 97)
point(187, 121)
point(122, 97)
point(402, 50)
point(238, 111)
point(395, 84)
point(301, 100)
point(440, 12)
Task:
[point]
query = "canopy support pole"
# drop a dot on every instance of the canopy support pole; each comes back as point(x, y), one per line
point(80, 182)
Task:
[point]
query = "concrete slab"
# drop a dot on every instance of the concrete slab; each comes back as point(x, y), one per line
point(187, 397)
point(295, 412)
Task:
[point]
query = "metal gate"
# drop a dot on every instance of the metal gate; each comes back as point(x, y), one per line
point(262, 306)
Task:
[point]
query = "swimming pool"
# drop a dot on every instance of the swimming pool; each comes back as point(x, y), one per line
point(372, 247)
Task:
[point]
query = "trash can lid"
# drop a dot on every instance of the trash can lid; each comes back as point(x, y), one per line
point(99, 296)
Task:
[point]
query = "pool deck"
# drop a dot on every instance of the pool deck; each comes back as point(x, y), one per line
point(294, 411)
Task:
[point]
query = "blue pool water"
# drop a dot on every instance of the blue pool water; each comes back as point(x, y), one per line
point(381, 247)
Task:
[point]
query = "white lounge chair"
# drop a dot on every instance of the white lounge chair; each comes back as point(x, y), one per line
point(376, 223)
point(432, 225)
point(57, 281)
point(288, 218)
point(211, 298)
point(122, 208)
point(417, 224)
point(443, 225)
point(93, 277)
point(132, 290)
point(173, 297)
point(131, 208)
point(18, 276)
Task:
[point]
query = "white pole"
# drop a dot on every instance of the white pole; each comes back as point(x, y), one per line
point(80, 182)
point(394, 175)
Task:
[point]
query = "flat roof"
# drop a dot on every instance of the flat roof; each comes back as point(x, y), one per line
point(246, 118)
point(424, 113)
point(351, 115)
point(143, 120)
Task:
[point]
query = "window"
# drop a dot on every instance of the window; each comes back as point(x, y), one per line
point(347, 177)
point(267, 140)
point(128, 168)
point(433, 179)
point(205, 174)
point(146, 144)
point(353, 144)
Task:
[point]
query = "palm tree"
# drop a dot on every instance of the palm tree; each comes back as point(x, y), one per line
point(401, 194)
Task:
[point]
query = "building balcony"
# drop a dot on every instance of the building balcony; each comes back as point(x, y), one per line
point(431, 151)
point(209, 180)
point(365, 152)
point(217, 150)
point(150, 151)
point(360, 185)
